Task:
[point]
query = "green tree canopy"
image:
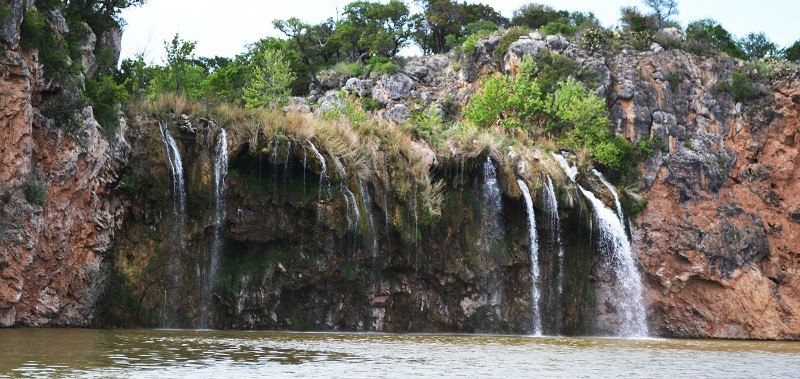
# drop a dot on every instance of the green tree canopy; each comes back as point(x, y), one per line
point(708, 33)
point(757, 45)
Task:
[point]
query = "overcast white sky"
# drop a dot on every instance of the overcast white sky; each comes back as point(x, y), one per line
point(224, 27)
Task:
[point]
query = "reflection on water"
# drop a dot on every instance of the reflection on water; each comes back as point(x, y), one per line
point(176, 353)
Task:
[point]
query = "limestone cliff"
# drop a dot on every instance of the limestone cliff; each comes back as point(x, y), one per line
point(317, 237)
point(57, 216)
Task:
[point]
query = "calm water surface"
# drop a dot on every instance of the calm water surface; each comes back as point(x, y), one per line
point(179, 353)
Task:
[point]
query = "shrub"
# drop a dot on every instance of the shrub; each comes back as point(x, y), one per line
point(511, 35)
point(35, 192)
point(740, 87)
point(383, 66)
point(35, 33)
point(105, 96)
point(706, 35)
point(594, 39)
point(370, 104)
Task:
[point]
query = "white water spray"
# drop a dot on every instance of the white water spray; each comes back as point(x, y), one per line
point(534, 252)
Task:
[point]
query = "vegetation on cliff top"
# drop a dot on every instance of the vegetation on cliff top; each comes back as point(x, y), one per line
point(546, 101)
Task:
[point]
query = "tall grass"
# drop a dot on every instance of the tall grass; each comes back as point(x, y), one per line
point(361, 143)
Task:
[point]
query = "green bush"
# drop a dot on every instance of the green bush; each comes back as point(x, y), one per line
point(383, 66)
point(470, 43)
point(35, 33)
point(370, 104)
point(511, 35)
point(706, 35)
point(105, 96)
point(741, 87)
point(35, 191)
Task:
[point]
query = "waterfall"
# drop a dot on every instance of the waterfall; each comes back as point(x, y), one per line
point(286, 165)
point(178, 231)
point(220, 173)
point(323, 175)
point(551, 211)
point(535, 295)
point(613, 192)
point(367, 200)
point(492, 207)
point(349, 197)
point(178, 186)
point(612, 238)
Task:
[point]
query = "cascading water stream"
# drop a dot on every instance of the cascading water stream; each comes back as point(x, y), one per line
point(349, 197)
point(629, 292)
point(534, 252)
point(365, 197)
point(323, 175)
point(612, 237)
point(551, 211)
point(220, 174)
point(493, 207)
point(613, 192)
point(178, 183)
point(178, 231)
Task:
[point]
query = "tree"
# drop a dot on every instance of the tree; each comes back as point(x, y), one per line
point(633, 20)
point(442, 25)
point(535, 16)
point(792, 53)
point(269, 80)
point(303, 39)
point(374, 29)
point(662, 10)
point(708, 34)
point(757, 45)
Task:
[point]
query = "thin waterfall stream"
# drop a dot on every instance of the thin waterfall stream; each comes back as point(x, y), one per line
point(534, 252)
point(178, 229)
point(220, 174)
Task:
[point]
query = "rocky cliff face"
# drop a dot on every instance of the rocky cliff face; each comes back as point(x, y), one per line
point(57, 218)
point(355, 243)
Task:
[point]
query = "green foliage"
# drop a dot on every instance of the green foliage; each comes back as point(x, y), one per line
point(470, 43)
point(374, 28)
point(349, 271)
point(352, 69)
point(134, 75)
point(633, 20)
point(511, 35)
point(35, 191)
point(587, 123)
point(36, 33)
point(595, 39)
point(5, 13)
point(513, 102)
point(703, 36)
point(383, 66)
point(741, 87)
point(105, 95)
point(535, 16)
point(370, 104)
point(757, 46)
point(792, 53)
point(444, 24)
point(269, 80)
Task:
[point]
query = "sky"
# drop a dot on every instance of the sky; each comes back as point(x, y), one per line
point(224, 27)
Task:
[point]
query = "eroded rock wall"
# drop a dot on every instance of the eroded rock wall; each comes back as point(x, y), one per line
point(57, 217)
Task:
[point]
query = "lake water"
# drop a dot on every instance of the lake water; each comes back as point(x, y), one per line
point(212, 354)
